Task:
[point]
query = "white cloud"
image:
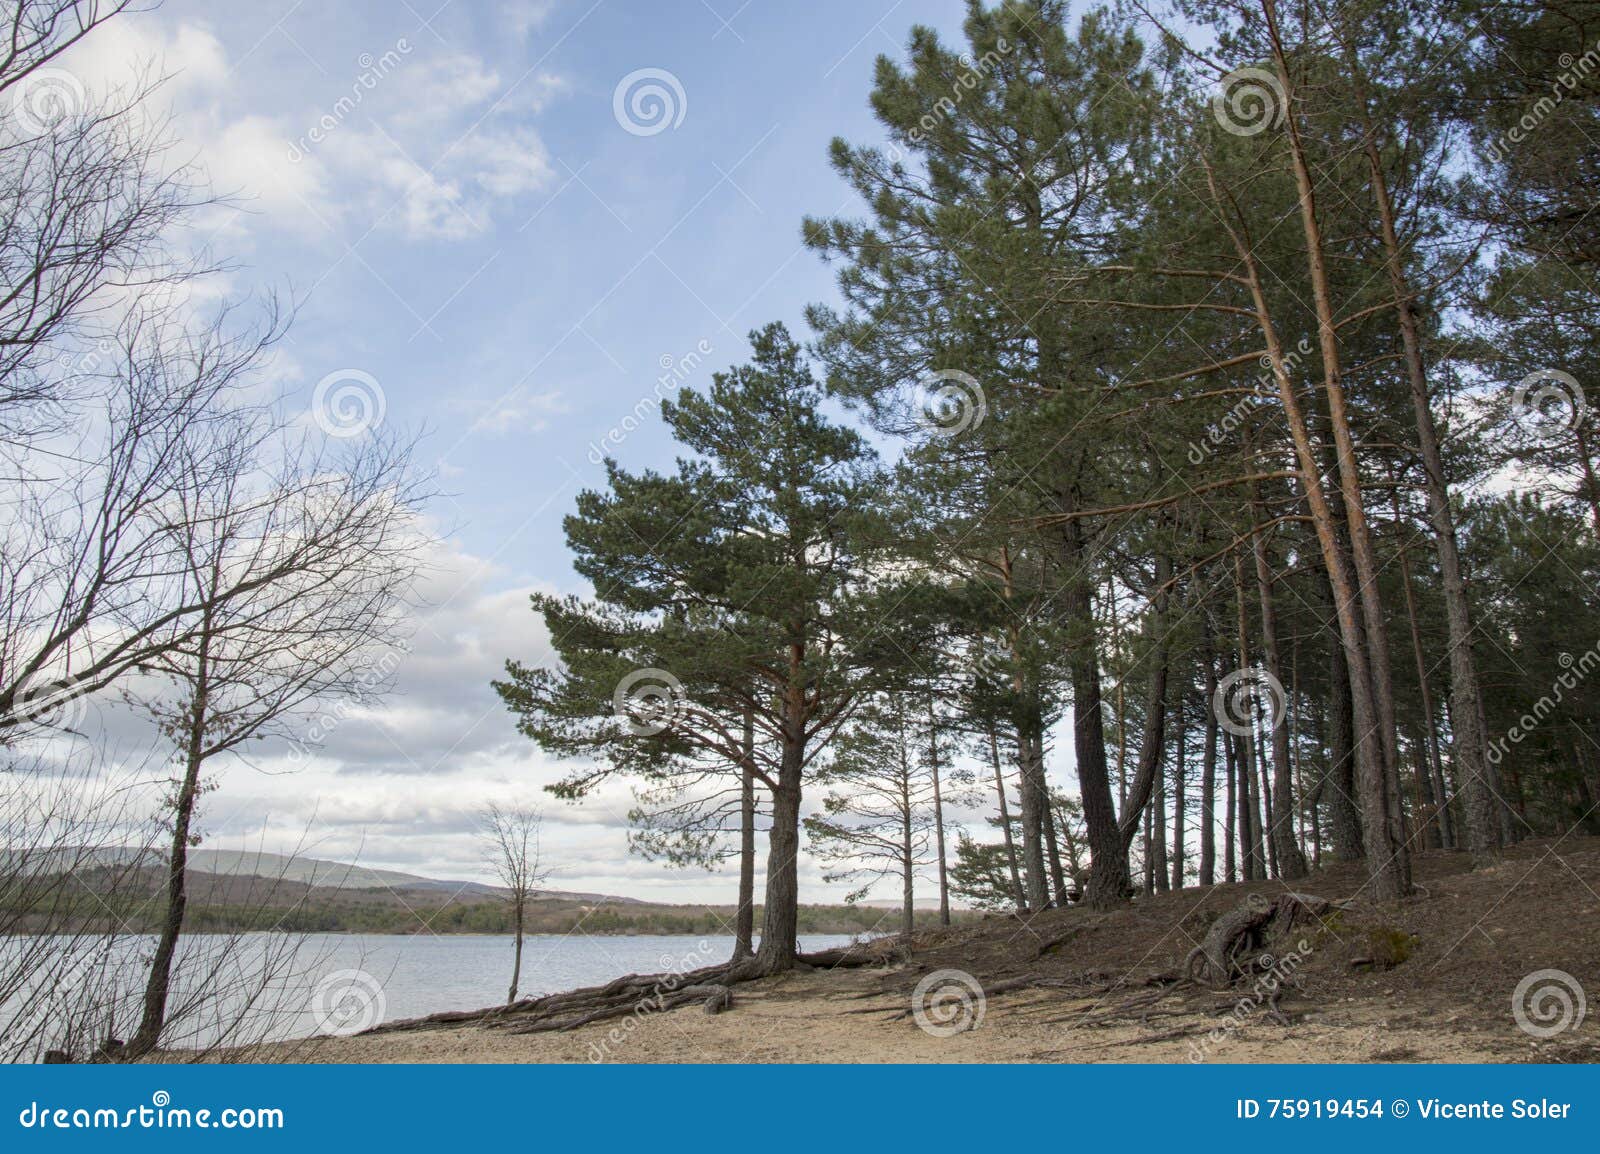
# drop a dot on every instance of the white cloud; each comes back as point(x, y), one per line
point(518, 413)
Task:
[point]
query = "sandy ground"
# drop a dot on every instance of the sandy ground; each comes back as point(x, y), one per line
point(843, 1017)
point(1073, 985)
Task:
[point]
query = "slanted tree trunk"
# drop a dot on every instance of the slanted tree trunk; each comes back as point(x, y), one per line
point(1109, 883)
point(1468, 741)
point(1033, 803)
point(1366, 633)
point(158, 983)
point(1058, 878)
point(1152, 747)
point(1005, 821)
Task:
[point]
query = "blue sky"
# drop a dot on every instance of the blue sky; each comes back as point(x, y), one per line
point(462, 213)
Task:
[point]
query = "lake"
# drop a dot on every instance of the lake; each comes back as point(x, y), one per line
point(256, 987)
point(425, 974)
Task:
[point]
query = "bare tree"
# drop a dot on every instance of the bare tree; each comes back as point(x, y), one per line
point(298, 561)
point(511, 845)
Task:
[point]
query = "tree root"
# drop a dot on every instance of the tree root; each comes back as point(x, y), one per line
point(636, 994)
point(1222, 955)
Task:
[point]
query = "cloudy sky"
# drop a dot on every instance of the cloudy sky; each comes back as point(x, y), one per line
point(505, 219)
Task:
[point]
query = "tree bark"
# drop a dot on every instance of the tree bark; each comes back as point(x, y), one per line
point(1368, 648)
point(1290, 862)
point(158, 983)
point(745, 919)
point(1178, 792)
point(1208, 764)
point(938, 814)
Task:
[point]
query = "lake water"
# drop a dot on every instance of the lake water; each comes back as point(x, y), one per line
point(237, 989)
point(426, 974)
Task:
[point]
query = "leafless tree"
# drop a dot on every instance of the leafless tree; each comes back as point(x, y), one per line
point(511, 846)
point(299, 561)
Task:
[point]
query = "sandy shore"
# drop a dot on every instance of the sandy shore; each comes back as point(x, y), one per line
point(849, 1017)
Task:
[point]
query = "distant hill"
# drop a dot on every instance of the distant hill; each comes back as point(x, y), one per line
point(348, 876)
point(233, 890)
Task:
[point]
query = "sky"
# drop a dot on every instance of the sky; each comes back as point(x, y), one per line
point(501, 224)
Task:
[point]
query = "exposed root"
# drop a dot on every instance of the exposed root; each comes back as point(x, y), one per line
point(1221, 956)
point(640, 994)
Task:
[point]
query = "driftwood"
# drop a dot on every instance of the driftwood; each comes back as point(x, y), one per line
point(1225, 951)
point(640, 994)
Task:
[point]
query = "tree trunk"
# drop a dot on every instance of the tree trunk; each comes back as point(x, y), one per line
point(1368, 648)
point(1109, 884)
point(1290, 862)
point(153, 1018)
point(1058, 880)
point(1230, 813)
point(516, 962)
point(781, 911)
point(1005, 822)
point(938, 814)
point(1033, 803)
point(1208, 768)
point(745, 919)
point(1178, 791)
